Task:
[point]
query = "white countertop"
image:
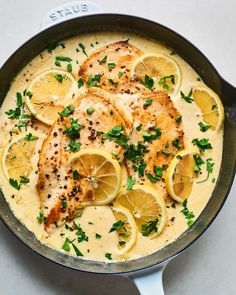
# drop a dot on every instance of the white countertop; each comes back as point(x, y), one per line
point(208, 266)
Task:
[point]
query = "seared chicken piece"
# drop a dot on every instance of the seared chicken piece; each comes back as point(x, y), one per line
point(109, 67)
point(156, 137)
point(60, 195)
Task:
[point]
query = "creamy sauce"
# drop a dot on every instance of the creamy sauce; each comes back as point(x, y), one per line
point(25, 203)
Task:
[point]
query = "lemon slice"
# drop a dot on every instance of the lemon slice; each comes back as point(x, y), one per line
point(127, 233)
point(19, 156)
point(210, 105)
point(160, 68)
point(99, 175)
point(180, 175)
point(147, 207)
point(51, 91)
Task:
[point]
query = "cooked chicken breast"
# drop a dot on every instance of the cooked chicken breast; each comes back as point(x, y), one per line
point(55, 183)
point(109, 67)
point(155, 139)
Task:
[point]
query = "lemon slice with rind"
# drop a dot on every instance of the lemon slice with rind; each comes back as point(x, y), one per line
point(127, 231)
point(51, 91)
point(179, 176)
point(211, 107)
point(19, 155)
point(163, 69)
point(99, 175)
point(147, 207)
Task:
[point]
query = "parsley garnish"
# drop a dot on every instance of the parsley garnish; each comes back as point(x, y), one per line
point(166, 152)
point(199, 162)
point(136, 153)
point(60, 77)
point(69, 68)
point(62, 58)
point(90, 110)
point(66, 245)
point(77, 251)
point(213, 107)
point(97, 236)
point(53, 45)
point(64, 203)
point(203, 144)
point(140, 168)
point(178, 119)
point(188, 214)
point(112, 82)
point(74, 146)
point(122, 243)
point(30, 137)
point(204, 127)
point(139, 127)
point(24, 179)
point(117, 225)
point(94, 80)
point(158, 171)
point(187, 98)
point(108, 256)
point(81, 45)
point(163, 82)
point(80, 82)
point(41, 218)
point(75, 175)
point(73, 130)
point(80, 233)
point(149, 137)
point(209, 167)
point(147, 103)
point(120, 74)
point(176, 143)
point(117, 135)
point(130, 182)
point(14, 183)
point(111, 66)
point(149, 227)
point(148, 82)
point(67, 111)
point(103, 60)
point(15, 113)
point(68, 227)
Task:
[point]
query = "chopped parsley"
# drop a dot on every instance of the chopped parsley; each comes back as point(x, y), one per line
point(111, 66)
point(147, 103)
point(179, 157)
point(120, 74)
point(80, 82)
point(140, 168)
point(69, 67)
point(176, 144)
point(73, 130)
point(67, 111)
point(74, 146)
point(199, 162)
point(204, 127)
point(80, 233)
point(112, 82)
point(15, 113)
point(122, 243)
point(117, 225)
point(173, 205)
point(60, 58)
point(117, 135)
point(148, 82)
point(188, 214)
point(75, 175)
point(214, 106)
point(77, 251)
point(149, 137)
point(41, 218)
point(60, 77)
point(81, 45)
point(136, 153)
point(103, 60)
point(90, 110)
point(94, 80)
point(163, 82)
point(130, 182)
point(17, 185)
point(97, 236)
point(149, 227)
point(53, 45)
point(66, 245)
point(203, 144)
point(158, 171)
point(209, 167)
point(68, 227)
point(24, 180)
point(187, 98)
point(108, 256)
point(139, 127)
point(64, 203)
point(166, 152)
point(178, 118)
point(30, 137)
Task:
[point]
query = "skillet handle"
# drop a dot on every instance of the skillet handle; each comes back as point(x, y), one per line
point(68, 11)
point(151, 283)
point(229, 98)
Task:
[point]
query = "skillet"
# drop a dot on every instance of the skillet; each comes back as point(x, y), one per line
point(148, 268)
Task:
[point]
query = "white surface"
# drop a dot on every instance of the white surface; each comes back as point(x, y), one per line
point(208, 266)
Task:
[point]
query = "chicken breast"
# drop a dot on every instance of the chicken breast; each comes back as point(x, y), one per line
point(109, 67)
point(155, 139)
point(56, 186)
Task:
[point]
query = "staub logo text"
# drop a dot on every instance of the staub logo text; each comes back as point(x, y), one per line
point(69, 10)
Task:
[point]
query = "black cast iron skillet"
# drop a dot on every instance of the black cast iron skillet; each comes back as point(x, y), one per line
point(210, 76)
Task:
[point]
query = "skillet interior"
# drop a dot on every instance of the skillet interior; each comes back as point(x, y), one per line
point(210, 76)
